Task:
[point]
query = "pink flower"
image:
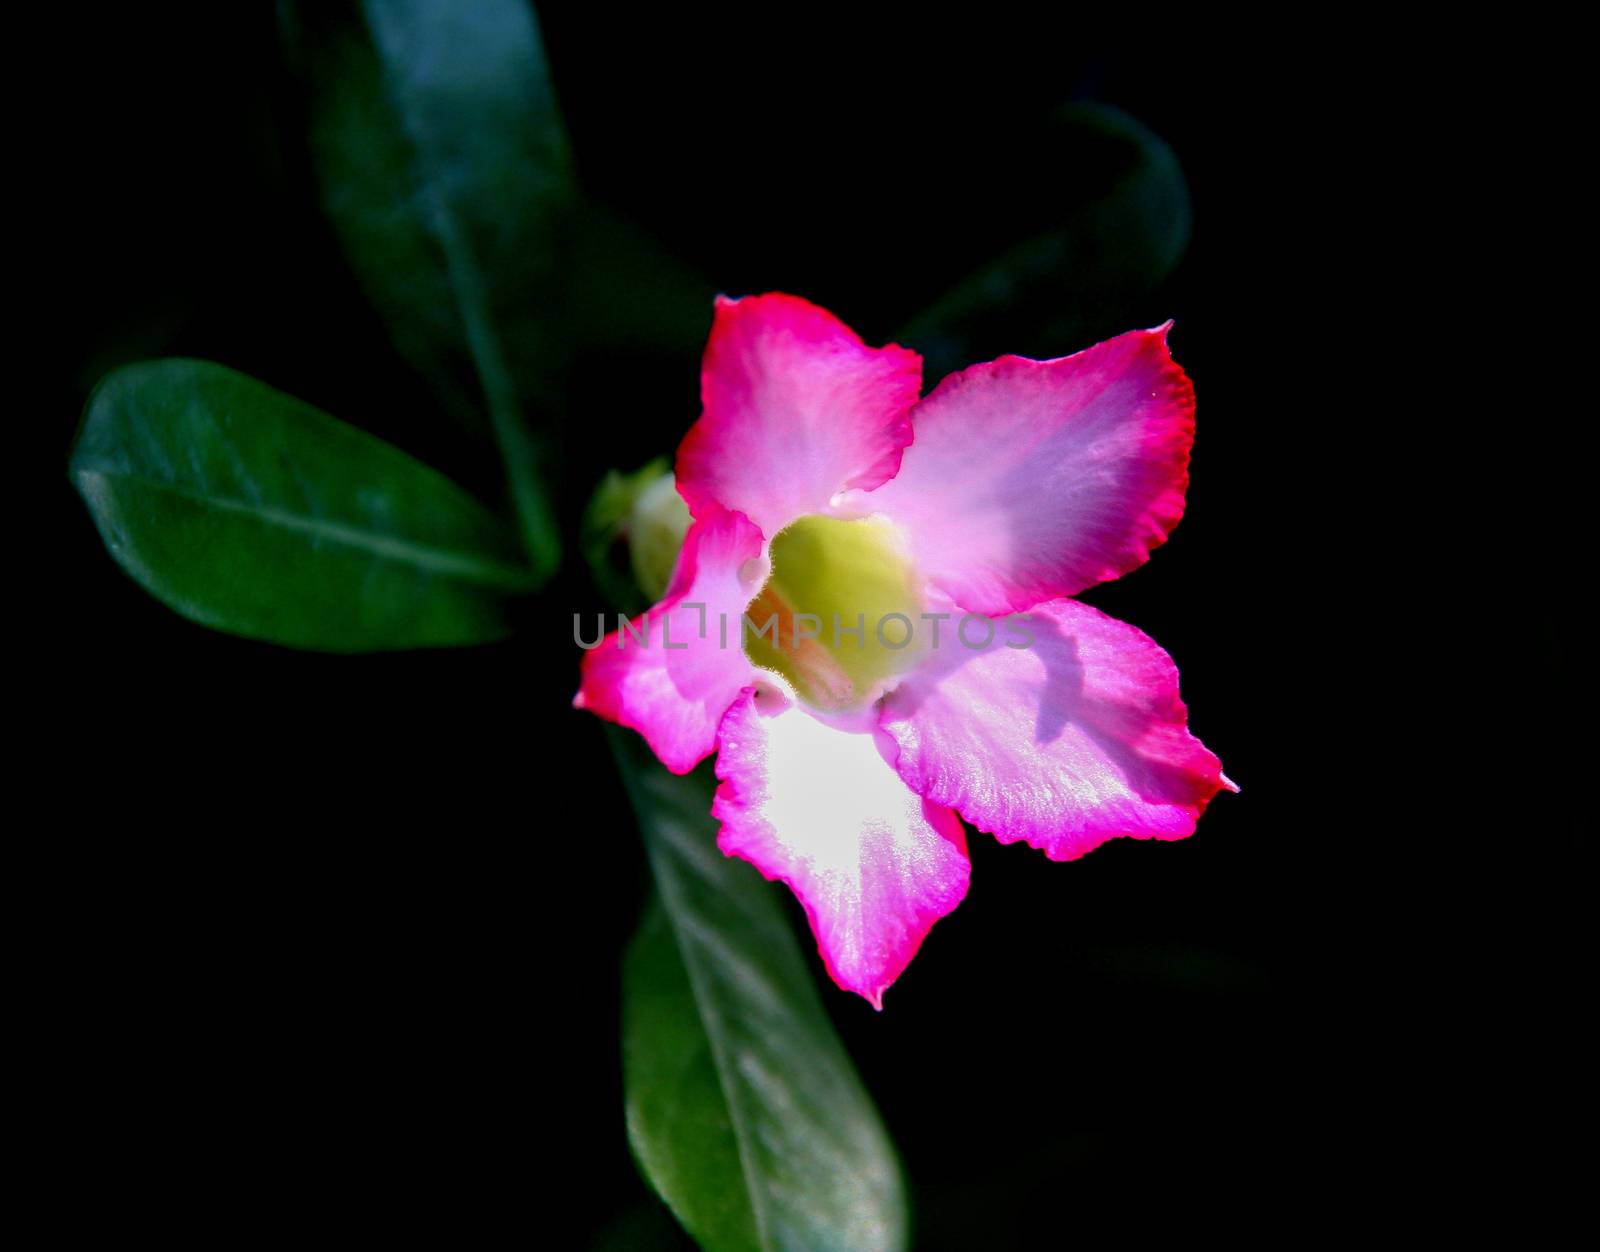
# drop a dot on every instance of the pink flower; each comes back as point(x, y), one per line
point(820, 485)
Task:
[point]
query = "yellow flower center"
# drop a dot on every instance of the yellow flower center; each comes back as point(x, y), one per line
point(838, 617)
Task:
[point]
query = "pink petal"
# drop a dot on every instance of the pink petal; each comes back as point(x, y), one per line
point(1077, 739)
point(675, 696)
point(795, 409)
point(822, 809)
point(1035, 479)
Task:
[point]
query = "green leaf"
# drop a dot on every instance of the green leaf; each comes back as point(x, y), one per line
point(444, 168)
point(251, 512)
point(1124, 226)
point(624, 290)
point(743, 1108)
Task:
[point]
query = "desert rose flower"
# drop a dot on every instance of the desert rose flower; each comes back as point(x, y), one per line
point(869, 619)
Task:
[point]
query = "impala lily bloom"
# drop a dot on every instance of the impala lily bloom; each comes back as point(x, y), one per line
point(821, 486)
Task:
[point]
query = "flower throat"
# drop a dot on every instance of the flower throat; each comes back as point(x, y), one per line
point(836, 616)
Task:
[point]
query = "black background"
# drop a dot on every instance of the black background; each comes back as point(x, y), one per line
point(344, 932)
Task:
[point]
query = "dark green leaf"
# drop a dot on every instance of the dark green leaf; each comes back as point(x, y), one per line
point(252, 512)
point(623, 290)
point(444, 169)
point(743, 1109)
point(1124, 227)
